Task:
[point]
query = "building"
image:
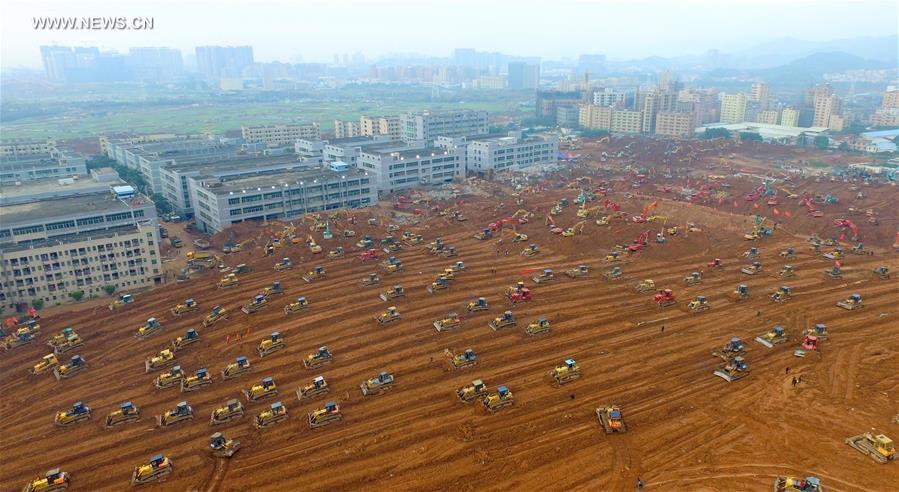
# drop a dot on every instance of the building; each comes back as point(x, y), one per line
point(287, 195)
point(493, 82)
point(34, 166)
point(789, 117)
point(759, 93)
point(768, 117)
point(885, 117)
point(523, 75)
point(426, 126)
point(825, 104)
point(733, 108)
point(370, 126)
point(627, 121)
point(346, 129)
point(155, 64)
point(26, 147)
point(837, 122)
point(280, 135)
point(651, 103)
point(567, 116)
point(770, 133)
point(217, 62)
point(890, 98)
point(609, 97)
point(513, 152)
point(59, 237)
point(347, 149)
point(674, 124)
point(398, 168)
point(595, 117)
point(548, 101)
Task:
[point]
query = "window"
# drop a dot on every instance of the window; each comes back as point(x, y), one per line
point(28, 230)
point(66, 224)
point(118, 217)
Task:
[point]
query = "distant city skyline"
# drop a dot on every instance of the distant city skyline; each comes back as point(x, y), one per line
point(621, 30)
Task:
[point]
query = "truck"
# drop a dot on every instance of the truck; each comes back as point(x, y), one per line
point(201, 243)
point(176, 242)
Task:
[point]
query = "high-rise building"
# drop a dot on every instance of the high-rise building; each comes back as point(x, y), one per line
point(567, 116)
point(759, 93)
point(346, 129)
point(548, 101)
point(824, 104)
point(890, 99)
point(56, 60)
point(426, 126)
point(733, 108)
point(595, 117)
point(370, 126)
point(223, 61)
point(768, 117)
point(789, 117)
point(155, 63)
point(609, 97)
point(523, 75)
point(627, 121)
point(674, 124)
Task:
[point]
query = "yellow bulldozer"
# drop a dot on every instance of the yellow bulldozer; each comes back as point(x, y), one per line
point(265, 389)
point(646, 285)
point(236, 369)
point(47, 364)
point(388, 316)
point(326, 415)
point(185, 307)
point(501, 399)
point(539, 327)
point(321, 357)
point(611, 419)
point(200, 379)
point(300, 304)
point(222, 447)
point(270, 344)
point(879, 447)
point(231, 410)
point(151, 327)
point(317, 387)
point(473, 391)
point(127, 412)
point(163, 358)
point(451, 322)
point(807, 484)
point(277, 412)
point(181, 413)
point(463, 360)
point(567, 372)
point(158, 467)
point(217, 314)
point(51, 481)
point(172, 377)
point(78, 413)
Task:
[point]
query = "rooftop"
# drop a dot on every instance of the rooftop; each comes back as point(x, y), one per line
point(765, 130)
point(67, 207)
point(38, 190)
point(68, 239)
point(237, 162)
point(274, 181)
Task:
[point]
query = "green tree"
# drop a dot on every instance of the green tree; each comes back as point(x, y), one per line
point(77, 295)
point(109, 289)
point(821, 142)
point(802, 141)
point(37, 304)
point(162, 205)
point(711, 133)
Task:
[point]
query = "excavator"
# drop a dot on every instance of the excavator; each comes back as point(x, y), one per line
point(611, 418)
point(807, 484)
point(567, 372)
point(78, 413)
point(326, 415)
point(222, 447)
point(377, 385)
point(231, 410)
point(317, 387)
point(471, 392)
point(575, 229)
point(643, 217)
point(847, 224)
point(463, 360)
point(539, 327)
point(314, 247)
point(265, 389)
point(879, 447)
point(759, 230)
point(200, 379)
point(583, 212)
point(127, 412)
point(499, 400)
point(181, 413)
point(317, 359)
point(49, 482)
point(158, 467)
point(173, 377)
point(274, 414)
point(163, 358)
point(217, 314)
point(270, 344)
point(451, 322)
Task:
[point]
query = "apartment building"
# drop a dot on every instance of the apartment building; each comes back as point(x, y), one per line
point(285, 195)
point(26, 147)
point(34, 166)
point(609, 97)
point(627, 121)
point(733, 108)
point(280, 135)
point(398, 168)
point(826, 105)
point(595, 117)
point(675, 124)
point(768, 117)
point(346, 129)
point(512, 152)
point(370, 126)
point(426, 126)
point(789, 117)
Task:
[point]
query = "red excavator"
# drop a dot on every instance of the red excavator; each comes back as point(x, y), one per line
point(846, 223)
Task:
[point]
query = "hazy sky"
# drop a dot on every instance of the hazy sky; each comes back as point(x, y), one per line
point(316, 30)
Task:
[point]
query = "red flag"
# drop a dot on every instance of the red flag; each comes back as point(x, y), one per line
point(842, 237)
point(776, 211)
point(755, 205)
point(837, 264)
point(788, 214)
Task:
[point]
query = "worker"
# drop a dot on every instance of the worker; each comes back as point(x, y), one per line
point(794, 381)
point(663, 328)
point(639, 484)
point(788, 371)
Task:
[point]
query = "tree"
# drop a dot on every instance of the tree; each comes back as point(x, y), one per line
point(77, 295)
point(749, 136)
point(109, 289)
point(844, 147)
point(802, 141)
point(99, 161)
point(821, 142)
point(711, 133)
point(594, 133)
point(37, 304)
point(162, 205)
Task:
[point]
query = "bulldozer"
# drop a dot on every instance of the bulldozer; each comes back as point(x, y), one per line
point(665, 298)
point(471, 392)
point(16, 340)
point(501, 399)
point(185, 307)
point(395, 292)
point(613, 257)
point(200, 379)
point(392, 265)
point(879, 447)
point(163, 358)
point(788, 254)
point(157, 468)
point(265, 389)
point(786, 272)
point(449, 273)
point(614, 274)
point(326, 415)
point(127, 412)
point(256, 304)
point(810, 343)
point(181, 413)
point(274, 290)
point(78, 413)
point(782, 294)
point(604, 220)
point(852, 303)
point(567, 372)
point(807, 484)
point(752, 269)
point(183, 341)
point(451, 322)
point(775, 336)
point(647, 285)
point(123, 300)
point(47, 363)
point(835, 254)
point(449, 252)
point(546, 275)
point(318, 359)
point(731, 349)
point(71, 342)
point(504, 320)
point(270, 344)
point(300, 304)
point(336, 253)
point(228, 281)
point(520, 295)
point(611, 419)
point(440, 283)
point(377, 385)
point(317, 387)
point(61, 337)
point(716, 263)
point(463, 360)
point(480, 304)
point(49, 482)
point(151, 327)
point(751, 254)
point(231, 410)
point(741, 293)
point(579, 272)
point(735, 369)
point(173, 377)
point(699, 304)
point(365, 242)
point(222, 447)
point(236, 369)
point(694, 278)
point(370, 280)
point(217, 314)
point(388, 316)
point(458, 266)
point(284, 264)
point(75, 365)
point(531, 250)
point(316, 273)
point(483, 235)
point(882, 272)
point(834, 272)
point(819, 330)
point(539, 327)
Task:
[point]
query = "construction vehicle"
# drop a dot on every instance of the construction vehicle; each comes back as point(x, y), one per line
point(565, 373)
point(752, 254)
point(699, 304)
point(151, 327)
point(694, 278)
point(504, 320)
point(317, 387)
point(185, 307)
point(388, 316)
point(123, 300)
point(478, 305)
point(752, 269)
point(613, 256)
point(78, 413)
point(665, 298)
point(371, 254)
point(229, 280)
point(545, 276)
point(265, 389)
point(318, 359)
point(364, 243)
point(157, 468)
point(256, 304)
point(231, 410)
point(879, 447)
point(807, 484)
point(458, 266)
point(819, 330)
point(188, 338)
point(52, 480)
point(200, 379)
point(470, 392)
point(270, 344)
point(242, 268)
point(395, 292)
point(284, 264)
point(614, 274)
point(758, 231)
point(274, 290)
point(521, 294)
point(336, 253)
point(314, 247)
point(882, 272)
point(451, 322)
point(181, 413)
point(326, 415)
point(448, 273)
point(392, 264)
point(449, 252)
point(222, 447)
point(47, 363)
point(575, 229)
point(412, 239)
point(604, 220)
point(163, 358)
point(173, 377)
point(75, 365)
point(483, 235)
point(775, 336)
point(440, 283)
point(127, 412)
point(611, 419)
point(371, 280)
point(71, 341)
point(741, 293)
point(316, 273)
point(541, 326)
point(786, 272)
point(836, 254)
point(501, 399)
point(731, 349)
point(531, 250)
point(810, 343)
point(852, 303)
point(735, 369)
point(463, 360)
point(60, 338)
point(579, 272)
point(236, 369)
point(277, 412)
point(782, 294)
point(300, 304)
point(217, 314)
point(788, 254)
point(646, 285)
point(16, 340)
point(834, 272)
point(716, 263)
point(377, 385)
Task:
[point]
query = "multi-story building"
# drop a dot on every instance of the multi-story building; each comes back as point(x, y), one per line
point(609, 97)
point(287, 195)
point(369, 126)
point(567, 116)
point(759, 93)
point(826, 105)
point(523, 75)
point(627, 121)
point(490, 82)
point(62, 237)
point(595, 117)
point(733, 108)
point(426, 126)
point(548, 101)
point(395, 169)
point(280, 135)
point(768, 117)
point(346, 129)
point(512, 152)
point(789, 117)
point(27, 167)
point(26, 147)
point(675, 124)
point(347, 149)
point(890, 98)
point(885, 117)
point(223, 61)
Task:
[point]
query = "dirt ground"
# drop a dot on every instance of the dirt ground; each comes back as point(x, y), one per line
point(687, 429)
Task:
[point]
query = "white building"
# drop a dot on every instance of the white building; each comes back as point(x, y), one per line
point(396, 169)
point(280, 135)
point(32, 166)
point(424, 127)
point(504, 152)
